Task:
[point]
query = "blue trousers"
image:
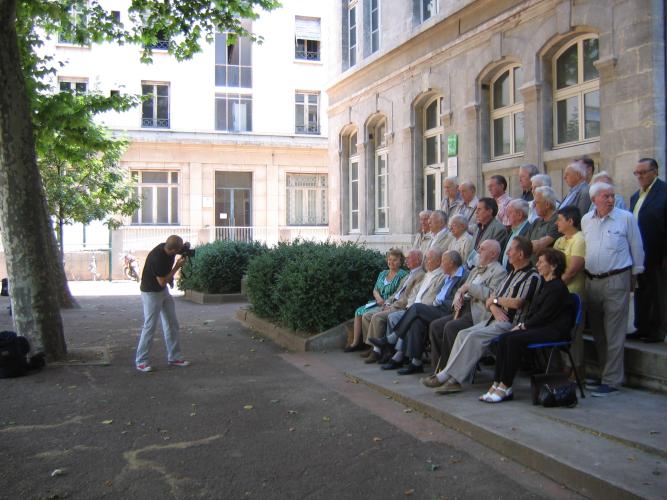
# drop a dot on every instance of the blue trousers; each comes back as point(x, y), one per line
point(158, 304)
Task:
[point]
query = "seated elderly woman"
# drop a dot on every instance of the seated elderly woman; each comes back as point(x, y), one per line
point(386, 284)
point(460, 241)
point(550, 319)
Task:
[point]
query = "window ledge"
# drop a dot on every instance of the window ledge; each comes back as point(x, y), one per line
point(67, 45)
point(502, 163)
point(573, 149)
point(308, 62)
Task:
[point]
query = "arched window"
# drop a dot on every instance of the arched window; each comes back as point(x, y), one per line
point(432, 152)
point(576, 98)
point(381, 178)
point(353, 182)
point(507, 133)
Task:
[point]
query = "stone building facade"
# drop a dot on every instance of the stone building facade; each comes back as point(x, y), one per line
point(423, 89)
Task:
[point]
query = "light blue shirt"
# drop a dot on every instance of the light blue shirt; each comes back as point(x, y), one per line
point(440, 298)
point(612, 242)
point(568, 199)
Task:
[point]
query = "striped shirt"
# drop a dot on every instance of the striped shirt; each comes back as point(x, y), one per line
point(521, 284)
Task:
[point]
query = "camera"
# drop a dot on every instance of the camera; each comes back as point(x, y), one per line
point(186, 251)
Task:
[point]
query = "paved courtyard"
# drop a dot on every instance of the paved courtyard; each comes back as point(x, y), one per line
point(246, 420)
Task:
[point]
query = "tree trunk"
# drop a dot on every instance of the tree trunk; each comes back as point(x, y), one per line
point(22, 215)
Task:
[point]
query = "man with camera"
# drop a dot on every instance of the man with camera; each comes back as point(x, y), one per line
point(159, 271)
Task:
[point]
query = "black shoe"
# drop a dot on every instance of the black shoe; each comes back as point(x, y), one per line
point(392, 365)
point(354, 348)
point(386, 357)
point(634, 336)
point(379, 342)
point(410, 369)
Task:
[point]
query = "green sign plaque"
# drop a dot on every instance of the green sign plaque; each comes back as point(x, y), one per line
point(452, 145)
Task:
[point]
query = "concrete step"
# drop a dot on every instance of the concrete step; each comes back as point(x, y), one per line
point(613, 447)
point(645, 364)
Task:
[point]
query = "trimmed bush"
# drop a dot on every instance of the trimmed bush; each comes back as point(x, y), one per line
point(219, 266)
point(312, 286)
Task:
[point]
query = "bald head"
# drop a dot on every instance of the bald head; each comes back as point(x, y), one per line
point(489, 250)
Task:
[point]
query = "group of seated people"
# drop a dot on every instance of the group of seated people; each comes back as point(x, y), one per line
point(503, 279)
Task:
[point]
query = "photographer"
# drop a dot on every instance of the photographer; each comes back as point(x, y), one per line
point(159, 271)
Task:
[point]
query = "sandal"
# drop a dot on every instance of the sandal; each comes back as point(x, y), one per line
point(488, 393)
point(508, 395)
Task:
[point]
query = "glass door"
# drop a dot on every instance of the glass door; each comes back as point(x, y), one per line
point(233, 205)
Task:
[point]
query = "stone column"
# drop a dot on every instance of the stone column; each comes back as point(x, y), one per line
point(533, 123)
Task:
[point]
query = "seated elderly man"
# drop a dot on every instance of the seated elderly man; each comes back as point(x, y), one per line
point(412, 327)
point(508, 306)
point(469, 303)
point(536, 181)
point(544, 232)
point(460, 240)
point(423, 237)
point(439, 230)
point(517, 211)
point(374, 323)
point(488, 228)
point(468, 205)
point(428, 289)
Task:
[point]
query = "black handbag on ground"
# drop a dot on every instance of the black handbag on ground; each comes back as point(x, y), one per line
point(539, 380)
point(552, 396)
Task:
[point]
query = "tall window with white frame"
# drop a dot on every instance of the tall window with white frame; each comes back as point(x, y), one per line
point(432, 153)
point(576, 97)
point(427, 9)
point(375, 25)
point(307, 113)
point(381, 179)
point(158, 193)
point(78, 20)
point(307, 200)
point(155, 106)
point(353, 188)
point(307, 38)
point(233, 60)
point(233, 112)
point(352, 33)
point(507, 130)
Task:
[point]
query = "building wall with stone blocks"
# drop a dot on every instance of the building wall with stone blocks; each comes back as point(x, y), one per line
point(590, 80)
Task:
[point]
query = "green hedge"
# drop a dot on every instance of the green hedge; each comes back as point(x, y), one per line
point(218, 267)
point(312, 286)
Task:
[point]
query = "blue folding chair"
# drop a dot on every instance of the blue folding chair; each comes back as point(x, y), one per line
point(564, 345)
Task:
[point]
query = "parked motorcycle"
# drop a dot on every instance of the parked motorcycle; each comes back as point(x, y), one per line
point(130, 266)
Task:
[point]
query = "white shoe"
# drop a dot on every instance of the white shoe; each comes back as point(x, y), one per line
point(144, 367)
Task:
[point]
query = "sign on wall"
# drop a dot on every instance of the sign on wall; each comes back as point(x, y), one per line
point(452, 145)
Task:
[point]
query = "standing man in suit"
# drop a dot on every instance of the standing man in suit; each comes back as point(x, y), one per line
point(575, 178)
point(526, 172)
point(413, 326)
point(452, 199)
point(374, 323)
point(468, 204)
point(649, 205)
point(488, 228)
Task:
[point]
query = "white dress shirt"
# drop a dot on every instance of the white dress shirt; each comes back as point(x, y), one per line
point(612, 242)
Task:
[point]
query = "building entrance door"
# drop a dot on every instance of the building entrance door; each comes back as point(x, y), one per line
point(233, 205)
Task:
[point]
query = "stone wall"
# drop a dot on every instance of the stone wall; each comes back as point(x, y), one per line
point(454, 56)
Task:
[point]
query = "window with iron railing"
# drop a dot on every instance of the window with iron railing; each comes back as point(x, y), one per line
point(307, 200)
point(307, 38)
point(155, 106)
point(307, 113)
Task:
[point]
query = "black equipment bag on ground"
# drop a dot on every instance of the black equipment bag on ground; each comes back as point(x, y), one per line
point(13, 352)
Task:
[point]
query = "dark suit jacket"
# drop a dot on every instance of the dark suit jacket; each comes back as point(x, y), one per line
point(494, 231)
point(653, 222)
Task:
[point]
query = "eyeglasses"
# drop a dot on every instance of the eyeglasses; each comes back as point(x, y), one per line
point(640, 173)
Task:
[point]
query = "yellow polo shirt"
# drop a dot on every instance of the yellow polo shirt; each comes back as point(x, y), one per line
point(642, 196)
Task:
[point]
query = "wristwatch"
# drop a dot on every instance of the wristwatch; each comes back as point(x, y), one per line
point(495, 300)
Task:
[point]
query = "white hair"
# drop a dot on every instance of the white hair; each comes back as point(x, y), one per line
point(469, 185)
point(600, 175)
point(548, 194)
point(578, 168)
point(424, 213)
point(494, 245)
point(540, 180)
point(521, 205)
point(452, 178)
point(458, 219)
point(530, 168)
point(599, 186)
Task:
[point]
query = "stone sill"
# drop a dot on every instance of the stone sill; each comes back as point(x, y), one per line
point(293, 340)
point(213, 298)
